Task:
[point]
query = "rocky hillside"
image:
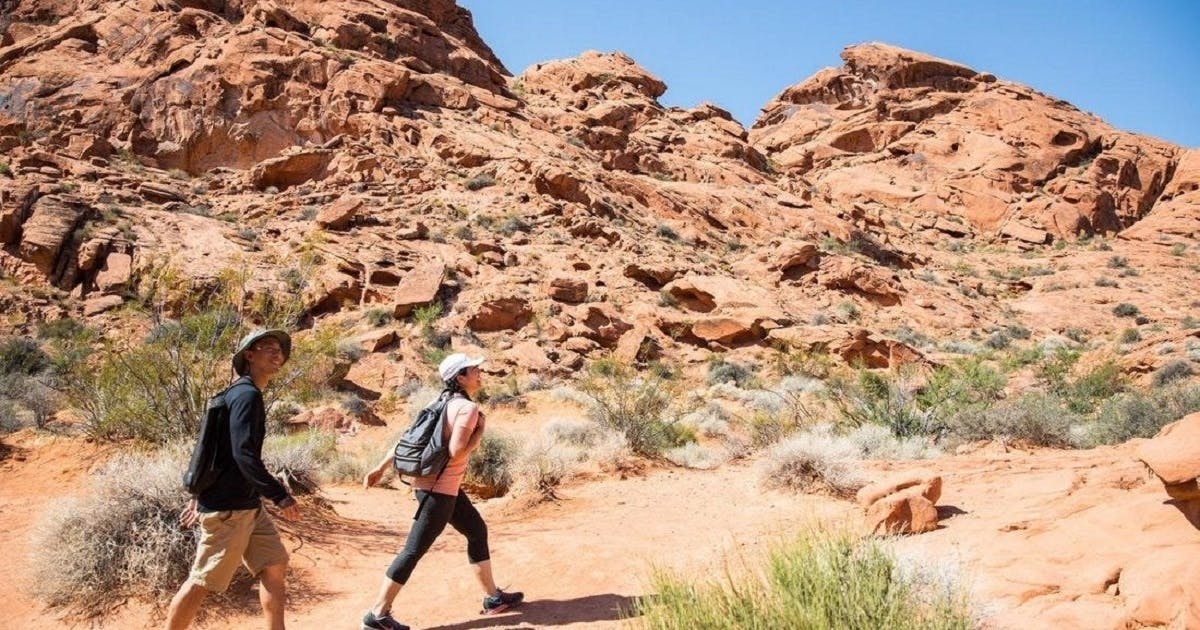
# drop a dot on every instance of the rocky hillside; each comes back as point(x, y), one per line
point(376, 154)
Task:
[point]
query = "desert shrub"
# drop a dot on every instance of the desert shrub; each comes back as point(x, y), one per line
point(64, 328)
point(541, 467)
point(875, 398)
point(960, 385)
point(820, 579)
point(121, 539)
point(693, 455)
point(721, 370)
point(354, 405)
point(1100, 383)
point(1038, 419)
point(1174, 371)
point(22, 355)
point(1137, 414)
point(10, 417)
point(1118, 262)
point(812, 462)
point(573, 432)
point(479, 182)
point(156, 390)
point(491, 463)
point(298, 459)
point(345, 467)
point(378, 316)
point(1105, 281)
point(710, 420)
point(872, 441)
point(1130, 335)
point(1125, 309)
point(511, 225)
point(662, 230)
point(638, 406)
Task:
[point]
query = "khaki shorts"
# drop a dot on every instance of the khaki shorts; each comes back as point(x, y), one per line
point(228, 539)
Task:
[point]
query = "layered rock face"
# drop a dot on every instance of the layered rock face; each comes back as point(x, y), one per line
point(920, 137)
point(377, 154)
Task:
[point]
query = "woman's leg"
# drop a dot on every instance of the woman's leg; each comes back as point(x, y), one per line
point(436, 511)
point(466, 520)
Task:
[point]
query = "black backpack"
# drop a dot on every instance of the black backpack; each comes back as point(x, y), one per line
point(202, 470)
point(422, 449)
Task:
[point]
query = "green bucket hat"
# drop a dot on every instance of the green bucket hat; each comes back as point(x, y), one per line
point(239, 357)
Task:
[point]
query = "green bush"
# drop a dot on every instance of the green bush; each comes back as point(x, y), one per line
point(479, 182)
point(1176, 370)
point(819, 580)
point(1094, 386)
point(960, 385)
point(639, 407)
point(156, 391)
point(875, 398)
point(1138, 414)
point(64, 328)
point(1130, 335)
point(721, 370)
point(1125, 309)
point(378, 316)
point(491, 464)
point(21, 355)
point(1038, 419)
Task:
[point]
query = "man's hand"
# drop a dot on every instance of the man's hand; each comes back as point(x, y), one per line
point(291, 512)
point(189, 516)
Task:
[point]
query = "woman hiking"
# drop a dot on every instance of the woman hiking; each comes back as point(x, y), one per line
point(442, 500)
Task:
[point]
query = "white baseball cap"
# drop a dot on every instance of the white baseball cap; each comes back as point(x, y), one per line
point(455, 363)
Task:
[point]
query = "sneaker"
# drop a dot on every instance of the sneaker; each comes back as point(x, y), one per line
point(371, 621)
point(500, 602)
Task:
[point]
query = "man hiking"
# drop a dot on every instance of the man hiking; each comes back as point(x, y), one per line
point(234, 527)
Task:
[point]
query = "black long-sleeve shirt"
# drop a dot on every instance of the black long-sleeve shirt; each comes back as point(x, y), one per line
point(244, 477)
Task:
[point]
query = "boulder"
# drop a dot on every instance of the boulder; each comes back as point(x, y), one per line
point(903, 505)
point(290, 170)
point(340, 214)
point(1174, 453)
point(48, 229)
point(600, 323)
point(570, 290)
point(505, 313)
point(654, 275)
point(376, 340)
point(419, 287)
point(114, 276)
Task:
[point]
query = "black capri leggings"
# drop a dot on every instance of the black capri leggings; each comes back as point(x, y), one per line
point(437, 510)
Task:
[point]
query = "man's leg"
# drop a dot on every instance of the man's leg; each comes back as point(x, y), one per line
point(272, 592)
point(185, 605)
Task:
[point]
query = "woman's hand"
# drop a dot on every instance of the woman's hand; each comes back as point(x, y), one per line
point(373, 477)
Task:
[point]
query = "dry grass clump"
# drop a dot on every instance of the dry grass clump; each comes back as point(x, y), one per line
point(121, 539)
point(693, 455)
point(813, 462)
point(711, 420)
point(541, 467)
point(298, 460)
point(877, 442)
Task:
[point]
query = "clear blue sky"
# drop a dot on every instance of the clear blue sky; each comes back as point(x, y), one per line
point(1133, 63)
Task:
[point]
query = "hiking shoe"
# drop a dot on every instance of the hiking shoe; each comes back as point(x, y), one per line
point(371, 621)
point(500, 602)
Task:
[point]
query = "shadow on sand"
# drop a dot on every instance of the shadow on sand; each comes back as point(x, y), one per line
point(541, 613)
